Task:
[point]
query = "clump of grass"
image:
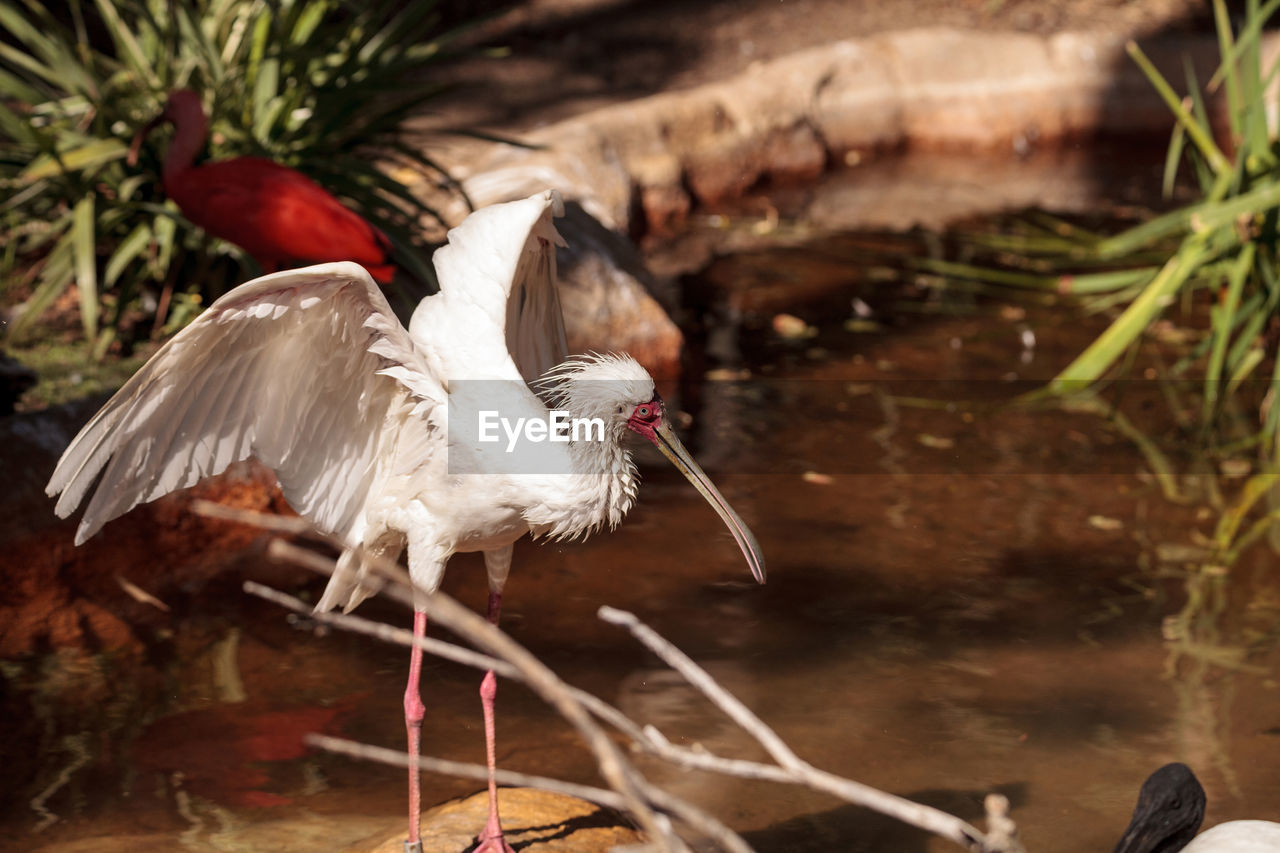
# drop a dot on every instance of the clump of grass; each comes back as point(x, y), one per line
point(1219, 251)
point(320, 85)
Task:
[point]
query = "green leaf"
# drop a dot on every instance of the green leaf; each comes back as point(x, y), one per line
point(1173, 158)
point(130, 247)
point(122, 34)
point(54, 278)
point(1251, 359)
point(1255, 488)
point(86, 156)
point(257, 50)
point(12, 86)
point(1103, 352)
point(165, 229)
point(1225, 47)
point(86, 269)
point(308, 19)
point(1199, 134)
point(1249, 34)
point(1223, 319)
point(68, 104)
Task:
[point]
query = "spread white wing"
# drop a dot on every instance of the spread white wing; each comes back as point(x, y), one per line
point(308, 370)
point(497, 315)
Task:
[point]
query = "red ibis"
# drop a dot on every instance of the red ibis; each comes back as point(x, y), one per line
point(276, 214)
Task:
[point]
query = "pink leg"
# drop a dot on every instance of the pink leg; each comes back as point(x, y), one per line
point(491, 840)
point(414, 711)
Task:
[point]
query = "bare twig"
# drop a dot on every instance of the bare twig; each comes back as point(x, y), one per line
point(648, 738)
point(1002, 833)
point(462, 769)
point(137, 593)
point(385, 633)
point(616, 770)
point(699, 678)
point(917, 814)
point(692, 816)
point(631, 792)
point(291, 524)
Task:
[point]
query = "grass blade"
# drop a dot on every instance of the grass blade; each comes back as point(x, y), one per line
point(1223, 318)
point(1200, 136)
point(1100, 355)
point(82, 158)
point(86, 270)
point(130, 247)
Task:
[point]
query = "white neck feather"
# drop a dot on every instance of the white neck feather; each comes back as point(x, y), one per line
point(605, 478)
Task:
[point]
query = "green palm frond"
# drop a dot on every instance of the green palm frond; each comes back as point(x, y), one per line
point(323, 86)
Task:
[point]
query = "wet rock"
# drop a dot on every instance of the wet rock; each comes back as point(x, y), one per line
point(794, 154)
point(605, 291)
point(605, 295)
point(933, 88)
point(15, 379)
point(30, 445)
point(60, 596)
point(786, 120)
point(666, 208)
point(533, 821)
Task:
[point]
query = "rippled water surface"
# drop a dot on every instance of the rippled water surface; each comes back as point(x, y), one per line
point(961, 599)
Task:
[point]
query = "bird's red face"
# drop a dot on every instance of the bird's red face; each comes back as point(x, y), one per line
point(646, 418)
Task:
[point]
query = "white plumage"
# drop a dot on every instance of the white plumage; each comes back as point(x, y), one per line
point(290, 368)
point(1237, 836)
point(309, 371)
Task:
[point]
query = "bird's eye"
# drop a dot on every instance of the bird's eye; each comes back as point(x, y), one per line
point(1175, 804)
point(647, 413)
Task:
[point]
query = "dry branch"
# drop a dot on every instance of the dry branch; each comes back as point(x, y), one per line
point(630, 791)
point(801, 772)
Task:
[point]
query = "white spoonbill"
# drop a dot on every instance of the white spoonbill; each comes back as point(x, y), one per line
point(309, 371)
point(1170, 808)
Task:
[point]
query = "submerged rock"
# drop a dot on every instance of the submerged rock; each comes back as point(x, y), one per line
point(533, 821)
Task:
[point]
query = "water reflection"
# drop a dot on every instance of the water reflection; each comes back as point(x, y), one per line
point(962, 599)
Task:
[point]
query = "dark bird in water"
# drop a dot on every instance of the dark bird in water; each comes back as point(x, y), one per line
point(1169, 811)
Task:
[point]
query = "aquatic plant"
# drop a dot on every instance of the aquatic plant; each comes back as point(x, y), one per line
point(1220, 249)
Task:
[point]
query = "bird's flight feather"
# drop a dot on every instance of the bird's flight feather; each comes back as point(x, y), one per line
point(299, 368)
point(498, 313)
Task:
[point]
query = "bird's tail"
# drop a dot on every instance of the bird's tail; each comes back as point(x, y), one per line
point(352, 581)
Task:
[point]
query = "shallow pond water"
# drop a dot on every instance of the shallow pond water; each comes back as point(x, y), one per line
point(961, 599)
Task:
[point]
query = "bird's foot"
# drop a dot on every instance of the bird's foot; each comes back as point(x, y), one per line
point(413, 847)
point(491, 840)
point(493, 844)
